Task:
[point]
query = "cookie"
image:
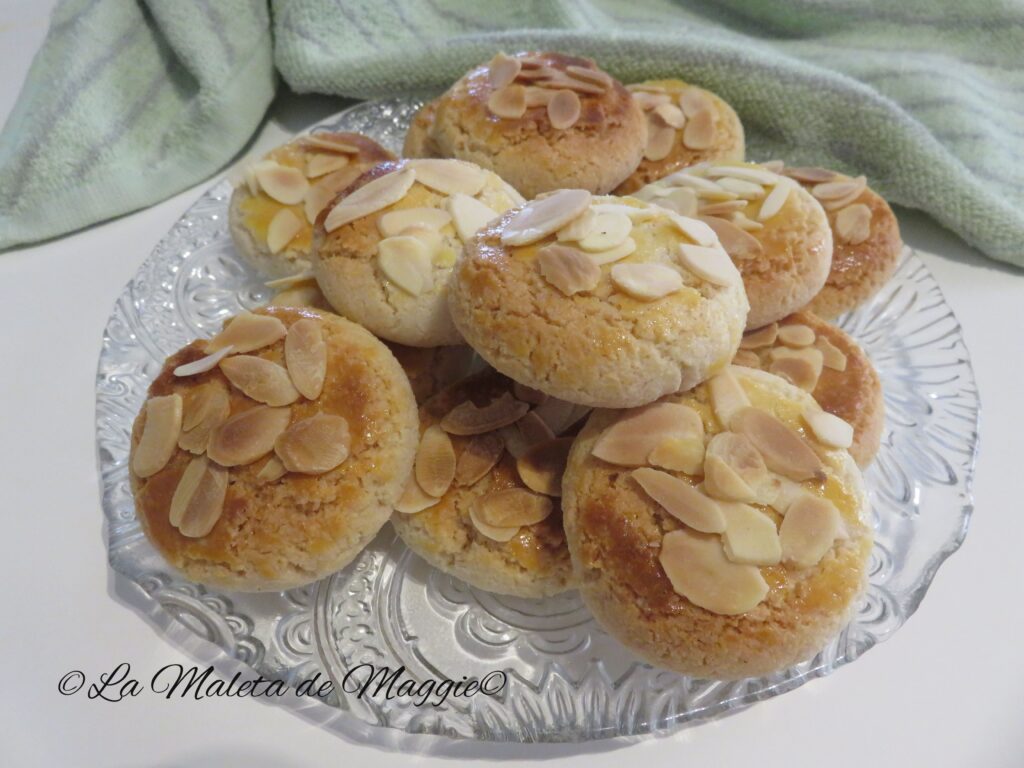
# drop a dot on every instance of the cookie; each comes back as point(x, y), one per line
point(483, 502)
point(383, 250)
point(274, 205)
point(866, 243)
point(686, 125)
point(824, 360)
point(602, 301)
point(541, 121)
point(274, 462)
point(776, 231)
point(718, 553)
point(431, 369)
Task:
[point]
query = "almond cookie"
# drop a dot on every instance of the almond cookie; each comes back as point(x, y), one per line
point(603, 301)
point(686, 125)
point(719, 533)
point(822, 359)
point(541, 121)
point(276, 202)
point(483, 501)
point(383, 249)
point(866, 244)
point(269, 456)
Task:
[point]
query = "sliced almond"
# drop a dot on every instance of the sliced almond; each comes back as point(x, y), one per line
point(370, 198)
point(699, 132)
point(534, 72)
point(305, 275)
point(801, 367)
point(830, 430)
point(204, 364)
point(314, 445)
point(808, 530)
point(745, 223)
point(710, 264)
point(682, 200)
point(775, 200)
point(247, 332)
point(285, 184)
point(326, 189)
point(721, 209)
point(395, 222)
point(431, 240)
point(587, 74)
point(282, 229)
point(746, 358)
point(836, 190)
point(538, 97)
point(508, 102)
point(564, 110)
point(247, 435)
point(449, 176)
point(198, 499)
point(579, 227)
point(693, 101)
point(680, 454)
point(649, 101)
point(545, 215)
point(796, 335)
point(321, 165)
point(414, 499)
point(681, 500)
point(754, 175)
point(159, 438)
point(750, 537)
point(694, 229)
point(561, 81)
point(534, 429)
point(699, 571)
point(646, 282)
point(528, 394)
point(853, 224)
point(567, 269)
point(727, 396)
point(660, 139)
point(832, 356)
point(271, 471)
point(541, 467)
point(762, 337)
point(512, 507)
point(670, 115)
point(329, 143)
point(733, 468)
point(748, 190)
point(786, 492)
point(630, 441)
point(435, 461)
point(305, 355)
point(781, 447)
point(406, 262)
point(469, 215)
point(478, 457)
point(840, 203)
point(263, 380)
point(467, 419)
point(503, 70)
point(619, 252)
point(204, 408)
point(559, 415)
point(607, 230)
point(496, 533)
point(735, 241)
point(810, 175)
point(706, 188)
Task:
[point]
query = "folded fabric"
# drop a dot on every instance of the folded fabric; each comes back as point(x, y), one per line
point(925, 97)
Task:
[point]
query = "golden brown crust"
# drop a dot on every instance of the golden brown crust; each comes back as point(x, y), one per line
point(597, 153)
point(293, 531)
point(418, 142)
point(534, 563)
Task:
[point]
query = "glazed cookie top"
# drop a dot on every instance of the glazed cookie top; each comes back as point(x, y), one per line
point(286, 189)
point(604, 301)
point(726, 496)
point(686, 125)
point(385, 247)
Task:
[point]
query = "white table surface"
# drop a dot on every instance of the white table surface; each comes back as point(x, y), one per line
point(946, 690)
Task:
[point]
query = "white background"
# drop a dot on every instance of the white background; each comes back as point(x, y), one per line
point(946, 690)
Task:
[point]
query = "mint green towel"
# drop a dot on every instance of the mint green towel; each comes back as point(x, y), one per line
point(129, 102)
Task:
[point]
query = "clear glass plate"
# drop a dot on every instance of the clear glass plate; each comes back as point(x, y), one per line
point(567, 680)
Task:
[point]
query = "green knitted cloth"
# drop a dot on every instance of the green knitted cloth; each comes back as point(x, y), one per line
point(129, 102)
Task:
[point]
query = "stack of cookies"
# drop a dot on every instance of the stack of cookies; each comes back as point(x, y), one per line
point(571, 340)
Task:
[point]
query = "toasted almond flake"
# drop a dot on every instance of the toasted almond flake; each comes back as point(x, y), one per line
point(515, 442)
point(326, 189)
point(478, 457)
point(528, 394)
point(430, 238)
point(545, 215)
point(559, 415)
point(650, 101)
point(251, 183)
point(406, 262)
point(469, 215)
point(747, 190)
point(682, 200)
point(203, 408)
point(247, 435)
point(283, 183)
point(619, 252)
point(321, 165)
point(564, 110)
point(467, 419)
point(561, 81)
point(727, 396)
point(198, 499)
point(538, 97)
point(680, 453)
point(853, 224)
point(204, 364)
point(159, 438)
point(733, 468)
point(796, 335)
point(607, 231)
point(503, 70)
point(247, 332)
point(762, 337)
point(508, 102)
point(271, 471)
point(541, 467)
point(670, 115)
point(646, 282)
point(699, 132)
point(842, 202)
point(832, 356)
point(698, 570)
point(785, 493)
point(579, 227)
point(305, 356)
point(834, 190)
point(688, 178)
point(590, 75)
point(710, 264)
point(328, 143)
point(810, 175)
point(370, 198)
point(746, 358)
point(288, 281)
point(567, 269)
point(781, 447)
point(532, 73)
point(282, 230)
point(759, 176)
point(395, 222)
point(414, 499)
point(801, 367)
point(630, 441)
point(808, 530)
point(660, 139)
point(314, 445)
point(741, 220)
point(776, 199)
point(435, 461)
point(737, 243)
point(681, 500)
point(635, 212)
point(694, 101)
point(449, 176)
point(263, 380)
point(694, 229)
point(722, 208)
point(750, 537)
point(830, 430)
point(493, 532)
point(512, 507)
point(534, 429)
